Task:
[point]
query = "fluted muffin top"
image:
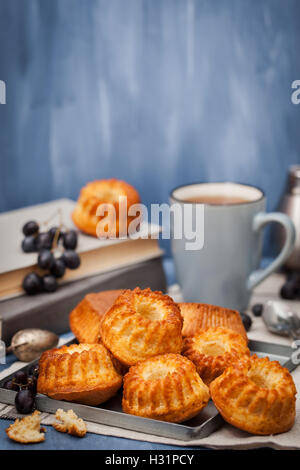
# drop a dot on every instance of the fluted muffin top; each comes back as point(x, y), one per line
point(72, 349)
point(213, 350)
point(84, 373)
point(218, 341)
point(256, 395)
point(158, 369)
point(165, 387)
point(107, 191)
point(142, 324)
point(103, 192)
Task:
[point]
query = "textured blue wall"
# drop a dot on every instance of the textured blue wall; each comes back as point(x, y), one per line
point(157, 92)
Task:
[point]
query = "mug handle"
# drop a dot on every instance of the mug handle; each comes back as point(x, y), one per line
point(259, 221)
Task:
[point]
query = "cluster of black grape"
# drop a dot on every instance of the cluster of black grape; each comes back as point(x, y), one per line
point(291, 288)
point(26, 386)
point(46, 243)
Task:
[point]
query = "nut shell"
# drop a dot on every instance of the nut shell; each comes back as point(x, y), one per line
point(82, 373)
point(142, 324)
point(256, 395)
point(166, 388)
point(198, 317)
point(28, 344)
point(86, 317)
point(213, 350)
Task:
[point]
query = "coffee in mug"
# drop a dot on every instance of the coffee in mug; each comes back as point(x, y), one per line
point(225, 200)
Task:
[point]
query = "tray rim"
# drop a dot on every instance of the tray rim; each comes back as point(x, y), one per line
point(99, 415)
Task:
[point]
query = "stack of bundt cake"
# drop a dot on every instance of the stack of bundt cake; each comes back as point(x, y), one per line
point(175, 357)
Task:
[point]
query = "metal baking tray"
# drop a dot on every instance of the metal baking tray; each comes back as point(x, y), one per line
point(111, 414)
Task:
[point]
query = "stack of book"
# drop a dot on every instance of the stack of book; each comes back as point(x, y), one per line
point(105, 264)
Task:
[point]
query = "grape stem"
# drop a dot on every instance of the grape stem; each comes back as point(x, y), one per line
point(56, 236)
point(52, 216)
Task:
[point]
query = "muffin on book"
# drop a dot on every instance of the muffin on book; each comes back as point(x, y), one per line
point(100, 192)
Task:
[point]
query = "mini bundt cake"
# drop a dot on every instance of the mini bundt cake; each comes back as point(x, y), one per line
point(256, 395)
point(82, 373)
point(103, 192)
point(198, 317)
point(141, 324)
point(166, 388)
point(86, 316)
point(213, 350)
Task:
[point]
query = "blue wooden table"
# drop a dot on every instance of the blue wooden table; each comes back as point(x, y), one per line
point(59, 441)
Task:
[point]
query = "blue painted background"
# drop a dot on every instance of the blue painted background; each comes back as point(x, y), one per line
point(157, 92)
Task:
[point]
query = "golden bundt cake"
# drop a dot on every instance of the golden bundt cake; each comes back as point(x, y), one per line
point(166, 388)
point(86, 316)
point(142, 324)
point(102, 192)
point(198, 317)
point(213, 350)
point(83, 373)
point(256, 395)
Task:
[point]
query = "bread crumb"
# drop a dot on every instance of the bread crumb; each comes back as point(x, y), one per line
point(27, 430)
point(70, 423)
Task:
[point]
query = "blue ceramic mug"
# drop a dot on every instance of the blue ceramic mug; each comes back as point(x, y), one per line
point(226, 269)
